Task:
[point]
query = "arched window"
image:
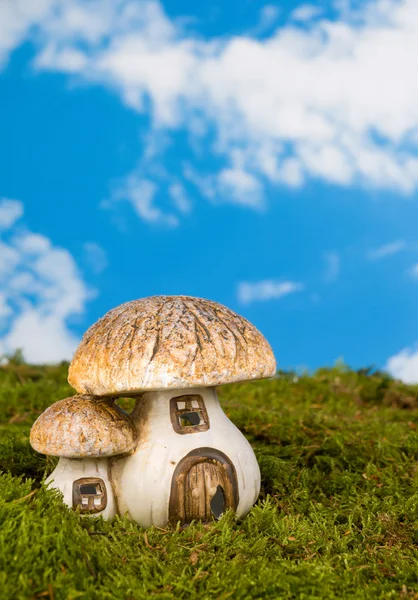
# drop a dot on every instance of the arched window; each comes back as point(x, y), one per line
point(189, 414)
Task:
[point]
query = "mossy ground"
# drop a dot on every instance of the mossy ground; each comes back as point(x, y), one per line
point(337, 515)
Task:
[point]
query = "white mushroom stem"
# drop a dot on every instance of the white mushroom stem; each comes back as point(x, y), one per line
point(143, 480)
point(69, 470)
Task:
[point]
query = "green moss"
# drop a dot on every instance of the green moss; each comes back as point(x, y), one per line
point(337, 515)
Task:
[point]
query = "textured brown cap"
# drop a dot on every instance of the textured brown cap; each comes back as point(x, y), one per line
point(82, 426)
point(169, 342)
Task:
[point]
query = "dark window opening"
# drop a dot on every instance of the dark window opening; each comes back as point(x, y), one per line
point(190, 419)
point(89, 494)
point(89, 489)
point(189, 414)
point(217, 503)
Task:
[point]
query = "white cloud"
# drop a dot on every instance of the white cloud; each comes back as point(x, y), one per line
point(9, 258)
point(17, 17)
point(240, 186)
point(32, 243)
point(414, 271)
point(95, 256)
point(306, 12)
point(155, 195)
point(10, 212)
point(404, 365)
point(268, 17)
point(44, 338)
point(332, 266)
point(141, 192)
point(269, 14)
point(269, 289)
point(179, 196)
point(5, 309)
point(387, 250)
point(290, 172)
point(41, 290)
point(206, 184)
point(89, 20)
point(67, 60)
point(335, 100)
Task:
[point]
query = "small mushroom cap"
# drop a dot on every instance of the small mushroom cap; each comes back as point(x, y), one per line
point(169, 342)
point(82, 426)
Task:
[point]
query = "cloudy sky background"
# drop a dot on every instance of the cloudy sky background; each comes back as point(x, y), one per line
point(264, 155)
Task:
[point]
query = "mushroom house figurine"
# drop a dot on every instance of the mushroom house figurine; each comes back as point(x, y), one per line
point(177, 456)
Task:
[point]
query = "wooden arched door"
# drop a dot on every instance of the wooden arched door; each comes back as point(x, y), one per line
point(204, 485)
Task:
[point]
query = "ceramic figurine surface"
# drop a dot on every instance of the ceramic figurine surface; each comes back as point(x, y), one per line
point(177, 457)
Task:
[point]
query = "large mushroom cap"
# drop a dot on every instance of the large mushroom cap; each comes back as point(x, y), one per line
point(169, 342)
point(81, 426)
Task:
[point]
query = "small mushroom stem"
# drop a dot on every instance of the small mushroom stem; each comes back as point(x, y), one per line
point(71, 470)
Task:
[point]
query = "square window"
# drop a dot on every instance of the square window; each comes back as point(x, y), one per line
point(89, 494)
point(189, 414)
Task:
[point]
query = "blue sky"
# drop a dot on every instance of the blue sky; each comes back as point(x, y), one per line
point(261, 155)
